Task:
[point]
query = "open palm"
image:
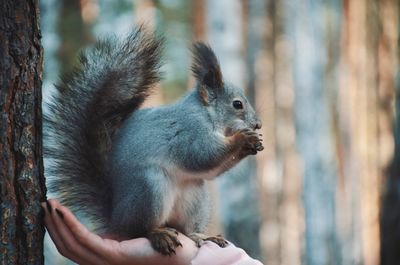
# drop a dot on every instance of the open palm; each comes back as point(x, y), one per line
point(74, 241)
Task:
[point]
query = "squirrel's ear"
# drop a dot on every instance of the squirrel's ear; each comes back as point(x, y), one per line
point(206, 70)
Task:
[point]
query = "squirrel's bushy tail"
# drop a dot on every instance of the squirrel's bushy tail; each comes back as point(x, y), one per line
point(113, 79)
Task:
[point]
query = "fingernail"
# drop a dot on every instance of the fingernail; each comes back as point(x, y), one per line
point(48, 206)
point(60, 214)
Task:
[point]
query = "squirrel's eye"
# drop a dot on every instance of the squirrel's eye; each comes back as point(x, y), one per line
point(237, 104)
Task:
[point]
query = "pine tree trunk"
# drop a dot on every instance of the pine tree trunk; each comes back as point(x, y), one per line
point(314, 78)
point(21, 168)
point(238, 188)
point(74, 33)
point(389, 57)
point(279, 174)
point(390, 216)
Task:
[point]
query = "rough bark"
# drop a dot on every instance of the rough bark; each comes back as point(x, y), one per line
point(21, 168)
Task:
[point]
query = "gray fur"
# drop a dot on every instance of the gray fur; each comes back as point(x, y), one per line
point(146, 168)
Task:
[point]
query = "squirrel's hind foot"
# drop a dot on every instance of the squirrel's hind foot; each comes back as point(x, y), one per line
point(199, 239)
point(164, 240)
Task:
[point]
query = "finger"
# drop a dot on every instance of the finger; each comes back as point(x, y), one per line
point(73, 249)
point(60, 241)
point(210, 250)
point(86, 238)
point(54, 232)
point(140, 251)
point(51, 229)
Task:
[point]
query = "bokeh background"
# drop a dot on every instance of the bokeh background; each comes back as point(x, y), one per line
point(324, 78)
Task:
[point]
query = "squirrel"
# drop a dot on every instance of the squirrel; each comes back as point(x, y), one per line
point(141, 172)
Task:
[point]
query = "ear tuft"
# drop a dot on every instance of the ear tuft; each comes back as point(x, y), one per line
point(205, 66)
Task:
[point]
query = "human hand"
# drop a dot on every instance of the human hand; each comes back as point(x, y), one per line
point(211, 253)
point(74, 241)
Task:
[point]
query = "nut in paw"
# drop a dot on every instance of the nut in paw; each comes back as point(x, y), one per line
point(251, 142)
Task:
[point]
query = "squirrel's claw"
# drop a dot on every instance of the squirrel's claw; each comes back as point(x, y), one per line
point(164, 240)
point(251, 142)
point(219, 240)
point(199, 239)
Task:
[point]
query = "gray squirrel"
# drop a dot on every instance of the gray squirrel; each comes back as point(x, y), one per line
point(142, 172)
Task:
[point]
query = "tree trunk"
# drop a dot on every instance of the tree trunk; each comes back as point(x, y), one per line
point(21, 167)
point(314, 79)
point(238, 188)
point(198, 19)
point(389, 58)
point(390, 219)
point(279, 174)
point(74, 33)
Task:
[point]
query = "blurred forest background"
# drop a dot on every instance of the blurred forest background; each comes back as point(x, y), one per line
point(324, 77)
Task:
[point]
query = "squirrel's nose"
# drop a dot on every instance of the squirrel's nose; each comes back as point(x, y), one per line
point(258, 125)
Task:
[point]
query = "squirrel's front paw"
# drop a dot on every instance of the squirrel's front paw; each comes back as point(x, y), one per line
point(164, 240)
point(252, 143)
